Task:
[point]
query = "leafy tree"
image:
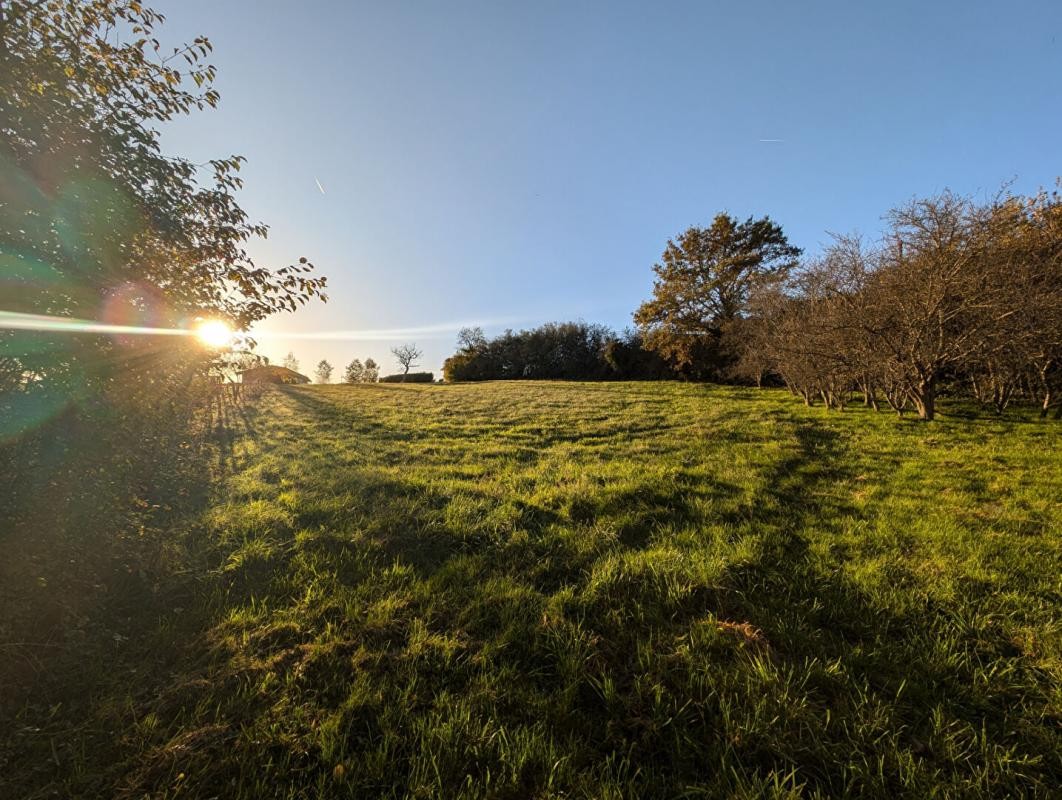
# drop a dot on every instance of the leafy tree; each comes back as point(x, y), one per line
point(323, 373)
point(372, 371)
point(704, 282)
point(630, 361)
point(93, 213)
point(406, 355)
point(355, 372)
point(290, 362)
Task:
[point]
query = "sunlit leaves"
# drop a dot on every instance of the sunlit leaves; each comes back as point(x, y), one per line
point(87, 188)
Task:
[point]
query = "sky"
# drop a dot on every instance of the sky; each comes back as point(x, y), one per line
point(512, 163)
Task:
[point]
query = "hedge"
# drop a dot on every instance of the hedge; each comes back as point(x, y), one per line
point(412, 377)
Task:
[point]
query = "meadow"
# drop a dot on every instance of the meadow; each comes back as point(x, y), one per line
point(549, 590)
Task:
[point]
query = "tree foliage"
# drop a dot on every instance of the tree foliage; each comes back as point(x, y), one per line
point(703, 284)
point(556, 350)
point(372, 371)
point(96, 221)
point(357, 372)
point(354, 372)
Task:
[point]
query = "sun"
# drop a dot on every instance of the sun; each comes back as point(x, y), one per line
point(214, 333)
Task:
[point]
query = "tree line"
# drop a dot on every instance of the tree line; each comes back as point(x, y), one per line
point(556, 351)
point(957, 296)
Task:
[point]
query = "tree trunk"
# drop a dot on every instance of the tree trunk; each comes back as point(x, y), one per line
point(924, 396)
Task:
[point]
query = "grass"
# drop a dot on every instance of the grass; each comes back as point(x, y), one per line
point(561, 590)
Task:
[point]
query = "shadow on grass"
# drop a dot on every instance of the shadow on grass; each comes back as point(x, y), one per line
point(923, 666)
point(91, 569)
point(483, 592)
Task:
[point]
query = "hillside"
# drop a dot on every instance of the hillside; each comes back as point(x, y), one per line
point(562, 590)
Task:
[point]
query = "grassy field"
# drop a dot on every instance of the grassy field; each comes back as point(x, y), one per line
point(559, 590)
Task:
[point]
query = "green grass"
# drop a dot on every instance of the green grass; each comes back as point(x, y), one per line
point(574, 590)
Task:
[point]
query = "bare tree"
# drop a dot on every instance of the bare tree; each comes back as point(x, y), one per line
point(290, 362)
point(958, 292)
point(406, 355)
point(471, 340)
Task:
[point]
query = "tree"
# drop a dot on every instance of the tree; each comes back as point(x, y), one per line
point(323, 373)
point(94, 214)
point(704, 282)
point(372, 371)
point(406, 355)
point(934, 295)
point(290, 362)
point(471, 340)
point(355, 372)
point(628, 359)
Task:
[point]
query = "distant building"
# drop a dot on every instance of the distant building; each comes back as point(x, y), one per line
point(270, 374)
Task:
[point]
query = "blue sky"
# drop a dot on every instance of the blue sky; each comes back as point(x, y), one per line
point(510, 163)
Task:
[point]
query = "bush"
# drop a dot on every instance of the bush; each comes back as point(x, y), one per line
point(412, 377)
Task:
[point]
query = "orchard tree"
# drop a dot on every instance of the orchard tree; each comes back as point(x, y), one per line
point(958, 295)
point(323, 373)
point(290, 362)
point(704, 282)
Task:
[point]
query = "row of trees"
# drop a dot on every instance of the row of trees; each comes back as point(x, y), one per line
point(958, 295)
point(357, 371)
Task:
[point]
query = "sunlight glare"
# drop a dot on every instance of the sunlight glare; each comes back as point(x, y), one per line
point(214, 333)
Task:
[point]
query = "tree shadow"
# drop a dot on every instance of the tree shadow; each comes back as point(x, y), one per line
point(100, 536)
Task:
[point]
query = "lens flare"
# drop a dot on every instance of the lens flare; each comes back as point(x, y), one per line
point(214, 333)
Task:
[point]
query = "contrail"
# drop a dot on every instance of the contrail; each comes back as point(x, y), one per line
point(772, 140)
point(438, 331)
point(319, 186)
